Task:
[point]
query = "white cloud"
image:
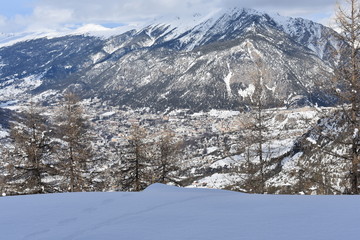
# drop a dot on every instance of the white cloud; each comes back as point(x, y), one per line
point(124, 9)
point(49, 18)
point(2, 20)
point(59, 13)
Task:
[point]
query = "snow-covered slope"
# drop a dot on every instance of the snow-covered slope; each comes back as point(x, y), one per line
point(163, 212)
point(86, 29)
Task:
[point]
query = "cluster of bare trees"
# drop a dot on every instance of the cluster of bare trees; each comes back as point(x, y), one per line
point(32, 145)
point(56, 154)
point(43, 149)
point(335, 157)
point(147, 160)
point(339, 137)
point(348, 84)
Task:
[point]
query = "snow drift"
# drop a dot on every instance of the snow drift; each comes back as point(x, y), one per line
point(164, 212)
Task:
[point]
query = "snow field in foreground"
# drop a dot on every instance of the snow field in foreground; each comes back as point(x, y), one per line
point(165, 212)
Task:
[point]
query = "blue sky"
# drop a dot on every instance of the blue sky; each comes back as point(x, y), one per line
point(42, 15)
point(10, 8)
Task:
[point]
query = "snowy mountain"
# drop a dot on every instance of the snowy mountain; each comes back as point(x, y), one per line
point(165, 212)
point(202, 63)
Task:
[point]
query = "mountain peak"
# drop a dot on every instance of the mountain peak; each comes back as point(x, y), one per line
point(92, 28)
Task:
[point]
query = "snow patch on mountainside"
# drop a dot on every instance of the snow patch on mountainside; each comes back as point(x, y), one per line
point(198, 25)
point(227, 80)
point(88, 29)
point(227, 162)
point(223, 113)
point(306, 30)
point(217, 181)
point(93, 29)
point(9, 90)
point(3, 132)
point(96, 57)
point(247, 92)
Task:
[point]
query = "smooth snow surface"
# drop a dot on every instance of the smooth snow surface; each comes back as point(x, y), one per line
point(164, 212)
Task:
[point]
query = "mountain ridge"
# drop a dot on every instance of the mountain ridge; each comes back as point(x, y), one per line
point(113, 68)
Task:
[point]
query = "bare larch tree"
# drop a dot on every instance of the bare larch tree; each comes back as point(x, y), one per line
point(136, 164)
point(75, 151)
point(31, 138)
point(347, 77)
point(167, 162)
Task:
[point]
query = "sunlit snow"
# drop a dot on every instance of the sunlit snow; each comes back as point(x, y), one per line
point(164, 212)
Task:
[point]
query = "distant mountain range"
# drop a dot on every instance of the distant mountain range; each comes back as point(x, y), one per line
point(203, 63)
